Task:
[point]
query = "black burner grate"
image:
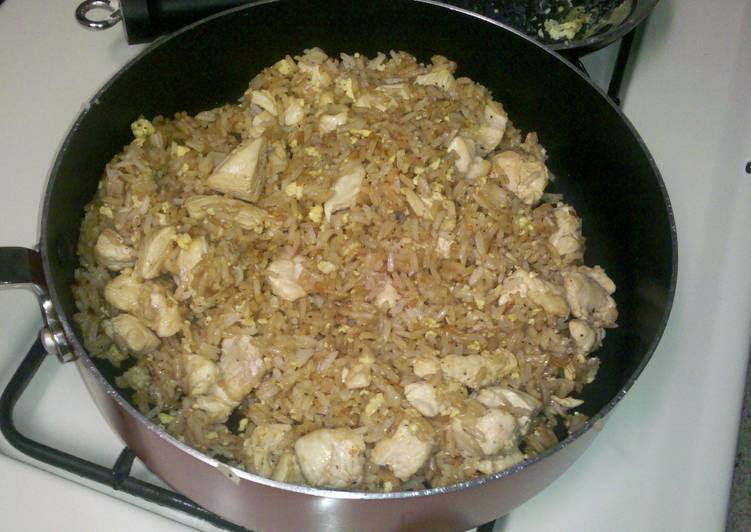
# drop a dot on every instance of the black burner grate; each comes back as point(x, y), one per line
point(118, 476)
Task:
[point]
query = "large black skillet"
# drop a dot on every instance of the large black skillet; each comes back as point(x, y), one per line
point(601, 164)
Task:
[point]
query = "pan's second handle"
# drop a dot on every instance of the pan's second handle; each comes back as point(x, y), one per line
point(145, 20)
point(22, 268)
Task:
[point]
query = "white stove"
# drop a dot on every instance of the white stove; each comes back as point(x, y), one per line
point(663, 461)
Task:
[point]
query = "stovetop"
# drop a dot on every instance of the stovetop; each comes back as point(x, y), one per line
point(663, 461)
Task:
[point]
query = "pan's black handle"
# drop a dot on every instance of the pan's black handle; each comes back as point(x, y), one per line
point(145, 20)
point(22, 268)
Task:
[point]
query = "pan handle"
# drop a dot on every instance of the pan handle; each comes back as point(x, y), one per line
point(22, 268)
point(85, 20)
point(145, 20)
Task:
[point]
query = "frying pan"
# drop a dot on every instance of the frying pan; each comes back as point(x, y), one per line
point(601, 164)
point(600, 22)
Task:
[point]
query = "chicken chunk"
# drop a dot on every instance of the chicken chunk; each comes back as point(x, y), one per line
point(153, 252)
point(499, 463)
point(198, 374)
point(162, 313)
point(345, 189)
point(264, 100)
point(424, 398)
point(479, 168)
point(387, 297)
point(541, 292)
point(462, 440)
point(425, 366)
point(567, 237)
point(493, 197)
point(377, 100)
point(124, 293)
point(599, 275)
point(288, 470)
point(498, 431)
point(404, 453)
point(439, 76)
point(522, 405)
point(295, 112)
point(261, 122)
point(566, 403)
point(503, 396)
point(465, 153)
point(396, 90)
point(226, 210)
point(487, 138)
point(329, 123)
point(476, 371)
point(147, 301)
point(241, 367)
point(489, 434)
point(332, 458)
point(277, 159)
point(112, 252)
point(358, 376)
point(443, 246)
point(282, 275)
point(317, 74)
point(585, 337)
point(190, 256)
point(264, 444)
point(216, 403)
point(241, 174)
point(495, 116)
point(525, 176)
point(589, 299)
point(129, 333)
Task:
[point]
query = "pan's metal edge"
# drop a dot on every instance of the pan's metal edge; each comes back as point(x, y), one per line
point(476, 483)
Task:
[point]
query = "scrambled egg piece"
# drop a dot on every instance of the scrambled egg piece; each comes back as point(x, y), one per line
point(316, 213)
point(293, 190)
point(326, 267)
point(142, 128)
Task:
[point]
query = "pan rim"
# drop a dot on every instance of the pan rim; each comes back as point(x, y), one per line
point(113, 394)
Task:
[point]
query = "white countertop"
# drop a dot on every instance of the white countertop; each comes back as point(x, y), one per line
point(664, 460)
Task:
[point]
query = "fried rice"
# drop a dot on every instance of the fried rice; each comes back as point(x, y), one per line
point(352, 278)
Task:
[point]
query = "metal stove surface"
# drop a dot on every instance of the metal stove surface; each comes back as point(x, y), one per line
point(663, 462)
